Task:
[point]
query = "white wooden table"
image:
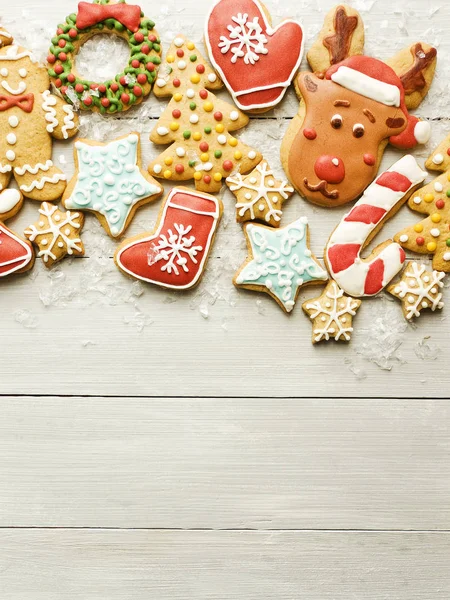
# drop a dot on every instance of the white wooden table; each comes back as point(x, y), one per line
point(197, 446)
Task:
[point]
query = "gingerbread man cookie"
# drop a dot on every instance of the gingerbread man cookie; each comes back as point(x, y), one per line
point(350, 111)
point(30, 116)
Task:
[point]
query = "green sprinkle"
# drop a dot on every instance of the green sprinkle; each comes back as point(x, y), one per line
point(192, 163)
point(208, 129)
point(217, 154)
point(193, 58)
point(186, 135)
point(192, 106)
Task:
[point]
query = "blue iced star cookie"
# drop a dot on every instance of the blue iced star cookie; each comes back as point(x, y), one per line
point(110, 182)
point(279, 262)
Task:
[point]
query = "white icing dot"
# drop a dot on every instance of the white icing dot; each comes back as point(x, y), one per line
point(248, 196)
point(190, 93)
point(193, 119)
point(417, 200)
point(162, 131)
point(426, 279)
point(23, 72)
point(234, 115)
point(335, 162)
point(44, 241)
point(252, 154)
point(157, 169)
point(410, 299)
point(433, 290)
point(412, 283)
point(161, 82)
point(327, 304)
point(178, 42)
point(4, 72)
point(435, 232)
point(271, 183)
point(67, 231)
point(60, 245)
point(438, 159)
point(10, 155)
point(446, 256)
point(180, 152)
point(323, 319)
point(57, 218)
point(261, 207)
point(13, 121)
point(253, 180)
point(343, 320)
point(268, 284)
point(438, 187)
point(207, 166)
point(212, 77)
point(404, 238)
point(222, 139)
point(397, 289)
point(109, 179)
point(11, 139)
point(181, 65)
point(424, 304)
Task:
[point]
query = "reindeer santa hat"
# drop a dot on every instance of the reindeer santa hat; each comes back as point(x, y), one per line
point(374, 79)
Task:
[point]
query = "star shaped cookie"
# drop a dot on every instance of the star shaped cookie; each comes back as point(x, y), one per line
point(259, 195)
point(110, 182)
point(56, 234)
point(418, 289)
point(279, 262)
point(332, 314)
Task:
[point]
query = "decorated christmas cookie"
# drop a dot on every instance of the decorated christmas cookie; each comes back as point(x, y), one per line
point(11, 202)
point(332, 314)
point(30, 116)
point(279, 262)
point(109, 181)
point(432, 235)
point(350, 110)
point(418, 289)
point(175, 254)
point(56, 234)
point(256, 62)
point(197, 124)
point(259, 195)
point(16, 254)
point(5, 37)
point(127, 88)
point(382, 199)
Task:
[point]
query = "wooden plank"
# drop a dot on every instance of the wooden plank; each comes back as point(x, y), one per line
point(238, 565)
point(212, 463)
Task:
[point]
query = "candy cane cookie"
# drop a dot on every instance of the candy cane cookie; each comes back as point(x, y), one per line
point(381, 200)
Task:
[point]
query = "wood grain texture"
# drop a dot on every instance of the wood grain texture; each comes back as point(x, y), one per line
point(212, 463)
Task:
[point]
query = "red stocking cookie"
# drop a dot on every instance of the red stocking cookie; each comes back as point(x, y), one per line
point(174, 256)
point(16, 254)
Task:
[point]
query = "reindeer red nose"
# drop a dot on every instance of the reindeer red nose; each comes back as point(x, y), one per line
point(330, 168)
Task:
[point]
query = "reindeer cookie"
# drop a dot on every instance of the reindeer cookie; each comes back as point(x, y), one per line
point(351, 107)
point(30, 116)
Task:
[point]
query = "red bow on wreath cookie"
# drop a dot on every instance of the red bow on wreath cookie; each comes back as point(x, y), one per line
point(91, 14)
point(256, 62)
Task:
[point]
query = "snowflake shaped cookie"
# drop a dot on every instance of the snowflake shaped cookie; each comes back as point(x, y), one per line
point(332, 313)
point(56, 234)
point(110, 182)
point(246, 39)
point(259, 195)
point(279, 262)
point(418, 289)
point(177, 249)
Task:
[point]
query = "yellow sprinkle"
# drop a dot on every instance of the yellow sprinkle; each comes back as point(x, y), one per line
point(197, 175)
point(168, 174)
point(195, 78)
point(170, 58)
point(428, 197)
point(418, 228)
point(217, 176)
point(208, 106)
point(197, 136)
point(233, 142)
point(174, 126)
point(168, 161)
point(448, 176)
point(431, 246)
point(435, 217)
point(204, 157)
point(177, 97)
point(190, 46)
point(238, 155)
point(220, 128)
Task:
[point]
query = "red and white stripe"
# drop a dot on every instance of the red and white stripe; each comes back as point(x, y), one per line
point(368, 277)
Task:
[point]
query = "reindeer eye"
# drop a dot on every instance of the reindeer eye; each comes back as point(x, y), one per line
point(358, 130)
point(336, 121)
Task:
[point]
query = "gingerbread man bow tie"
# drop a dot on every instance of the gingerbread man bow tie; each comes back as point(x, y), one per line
point(24, 102)
point(129, 15)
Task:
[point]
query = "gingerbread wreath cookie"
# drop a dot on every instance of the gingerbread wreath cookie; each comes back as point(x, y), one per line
point(110, 182)
point(56, 234)
point(432, 234)
point(175, 254)
point(351, 107)
point(127, 88)
point(256, 62)
point(197, 124)
point(16, 254)
point(30, 116)
point(279, 262)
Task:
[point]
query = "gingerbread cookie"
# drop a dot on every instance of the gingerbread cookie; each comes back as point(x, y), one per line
point(175, 254)
point(109, 182)
point(332, 314)
point(127, 88)
point(256, 62)
point(11, 201)
point(418, 289)
point(56, 234)
point(382, 199)
point(350, 111)
point(432, 235)
point(5, 37)
point(279, 262)
point(30, 116)
point(197, 124)
point(259, 195)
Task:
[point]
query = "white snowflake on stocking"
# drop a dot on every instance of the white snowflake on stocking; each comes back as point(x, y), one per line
point(246, 40)
point(418, 289)
point(176, 249)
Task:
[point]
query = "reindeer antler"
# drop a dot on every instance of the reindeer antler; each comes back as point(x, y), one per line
point(342, 36)
point(415, 66)
point(5, 37)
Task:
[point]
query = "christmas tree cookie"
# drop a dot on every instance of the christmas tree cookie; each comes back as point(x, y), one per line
point(197, 124)
point(432, 234)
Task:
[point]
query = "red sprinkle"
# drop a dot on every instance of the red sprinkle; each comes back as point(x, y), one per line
point(62, 56)
point(135, 64)
point(218, 116)
point(102, 88)
point(204, 147)
point(227, 165)
point(58, 83)
point(87, 101)
point(145, 49)
point(59, 31)
point(70, 77)
point(369, 159)
point(93, 86)
point(142, 78)
point(179, 169)
point(62, 43)
point(73, 33)
point(207, 179)
point(440, 203)
point(63, 89)
point(152, 37)
point(51, 59)
point(176, 83)
point(137, 91)
point(180, 52)
point(310, 134)
point(176, 114)
point(114, 87)
point(123, 81)
point(59, 69)
point(139, 37)
point(125, 98)
point(420, 241)
point(200, 69)
point(79, 88)
point(105, 102)
point(150, 67)
point(203, 94)
point(448, 151)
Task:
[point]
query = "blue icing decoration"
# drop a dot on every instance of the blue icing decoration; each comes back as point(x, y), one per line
point(110, 181)
point(282, 261)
